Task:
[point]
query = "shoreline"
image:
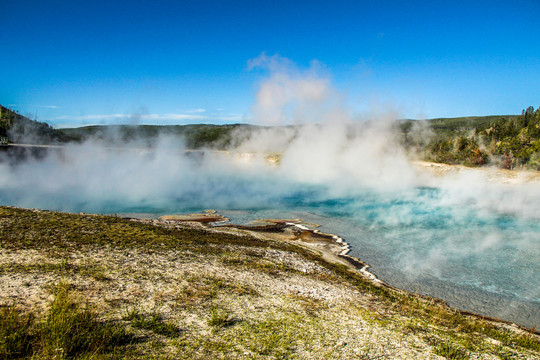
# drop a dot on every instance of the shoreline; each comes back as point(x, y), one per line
point(490, 174)
point(163, 284)
point(331, 247)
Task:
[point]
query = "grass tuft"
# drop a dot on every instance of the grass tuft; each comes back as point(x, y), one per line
point(220, 318)
point(153, 322)
point(15, 333)
point(447, 349)
point(311, 305)
point(201, 289)
point(71, 328)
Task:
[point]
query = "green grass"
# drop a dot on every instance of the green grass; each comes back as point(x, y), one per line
point(311, 306)
point(269, 337)
point(202, 289)
point(448, 349)
point(153, 322)
point(220, 318)
point(16, 337)
point(63, 267)
point(69, 329)
point(52, 231)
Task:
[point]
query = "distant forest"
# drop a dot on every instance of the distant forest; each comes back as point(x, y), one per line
point(510, 141)
point(504, 141)
point(20, 129)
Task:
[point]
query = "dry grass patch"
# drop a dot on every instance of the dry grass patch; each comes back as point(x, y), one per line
point(200, 289)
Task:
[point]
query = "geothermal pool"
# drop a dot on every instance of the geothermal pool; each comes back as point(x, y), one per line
point(485, 263)
point(469, 242)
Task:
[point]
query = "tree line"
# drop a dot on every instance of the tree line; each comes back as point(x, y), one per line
point(20, 129)
point(508, 142)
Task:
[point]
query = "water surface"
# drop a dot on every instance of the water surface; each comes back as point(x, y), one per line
point(475, 245)
point(484, 262)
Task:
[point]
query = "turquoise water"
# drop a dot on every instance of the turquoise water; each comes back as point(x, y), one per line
point(486, 263)
point(473, 245)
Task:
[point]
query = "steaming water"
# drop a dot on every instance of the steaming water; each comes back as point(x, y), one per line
point(469, 250)
point(476, 262)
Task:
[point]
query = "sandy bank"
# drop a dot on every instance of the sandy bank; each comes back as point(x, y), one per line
point(490, 174)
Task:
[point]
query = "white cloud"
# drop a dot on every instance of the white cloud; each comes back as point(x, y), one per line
point(172, 116)
point(194, 111)
point(157, 119)
point(91, 117)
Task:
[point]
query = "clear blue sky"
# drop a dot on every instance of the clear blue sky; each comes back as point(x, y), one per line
point(76, 62)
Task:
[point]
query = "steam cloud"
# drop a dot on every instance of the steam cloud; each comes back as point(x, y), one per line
point(332, 152)
point(332, 149)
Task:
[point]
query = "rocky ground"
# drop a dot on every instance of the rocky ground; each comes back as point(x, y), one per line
point(182, 290)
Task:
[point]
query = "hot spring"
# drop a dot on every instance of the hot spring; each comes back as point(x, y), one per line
point(471, 242)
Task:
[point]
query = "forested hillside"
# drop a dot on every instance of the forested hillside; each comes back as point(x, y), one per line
point(507, 141)
point(20, 129)
point(195, 136)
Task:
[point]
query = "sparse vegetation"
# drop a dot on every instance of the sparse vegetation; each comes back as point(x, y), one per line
point(188, 293)
point(220, 318)
point(448, 349)
point(153, 322)
point(69, 329)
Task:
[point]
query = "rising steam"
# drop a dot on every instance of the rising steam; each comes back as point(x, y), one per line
point(325, 152)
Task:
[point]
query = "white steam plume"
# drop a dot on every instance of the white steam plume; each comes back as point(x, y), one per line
point(323, 146)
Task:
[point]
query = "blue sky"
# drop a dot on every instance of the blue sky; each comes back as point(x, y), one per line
point(79, 62)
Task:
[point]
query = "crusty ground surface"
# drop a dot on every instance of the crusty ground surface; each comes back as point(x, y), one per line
point(279, 304)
